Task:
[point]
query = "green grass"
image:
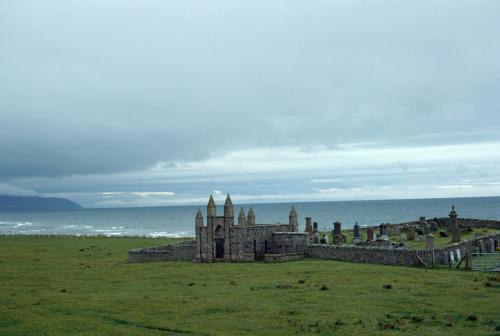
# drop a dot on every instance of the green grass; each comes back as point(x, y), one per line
point(77, 286)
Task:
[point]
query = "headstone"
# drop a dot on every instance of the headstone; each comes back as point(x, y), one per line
point(395, 230)
point(492, 245)
point(410, 235)
point(383, 231)
point(481, 247)
point(316, 239)
point(457, 252)
point(429, 242)
point(357, 236)
point(369, 234)
point(337, 230)
point(423, 225)
point(433, 226)
point(325, 237)
point(315, 227)
point(309, 228)
point(454, 228)
point(452, 257)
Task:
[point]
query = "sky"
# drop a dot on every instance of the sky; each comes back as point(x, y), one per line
point(152, 103)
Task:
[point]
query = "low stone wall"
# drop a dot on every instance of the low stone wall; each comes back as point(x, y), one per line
point(395, 256)
point(289, 242)
point(270, 257)
point(183, 251)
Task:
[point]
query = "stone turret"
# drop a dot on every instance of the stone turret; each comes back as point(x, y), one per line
point(242, 219)
point(199, 218)
point(454, 228)
point(292, 219)
point(251, 217)
point(211, 208)
point(228, 207)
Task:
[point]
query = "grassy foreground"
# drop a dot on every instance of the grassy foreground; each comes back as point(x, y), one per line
point(54, 286)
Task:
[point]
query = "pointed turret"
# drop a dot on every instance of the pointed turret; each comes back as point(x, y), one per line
point(242, 219)
point(199, 218)
point(211, 209)
point(251, 217)
point(292, 219)
point(228, 207)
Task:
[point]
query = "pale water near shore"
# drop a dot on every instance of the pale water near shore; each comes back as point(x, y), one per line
point(179, 221)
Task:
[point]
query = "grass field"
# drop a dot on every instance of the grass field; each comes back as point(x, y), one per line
point(84, 286)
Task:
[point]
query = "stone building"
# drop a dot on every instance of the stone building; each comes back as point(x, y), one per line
point(221, 239)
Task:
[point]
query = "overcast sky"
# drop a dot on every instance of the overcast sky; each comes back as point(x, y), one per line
point(135, 103)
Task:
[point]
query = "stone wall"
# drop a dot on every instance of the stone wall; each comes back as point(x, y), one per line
point(256, 240)
point(289, 242)
point(183, 251)
point(394, 256)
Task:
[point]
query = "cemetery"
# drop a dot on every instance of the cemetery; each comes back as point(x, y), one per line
point(427, 242)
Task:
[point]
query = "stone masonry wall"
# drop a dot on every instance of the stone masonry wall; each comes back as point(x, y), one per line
point(391, 256)
point(184, 251)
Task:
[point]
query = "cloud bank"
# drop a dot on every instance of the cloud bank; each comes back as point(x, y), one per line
point(268, 100)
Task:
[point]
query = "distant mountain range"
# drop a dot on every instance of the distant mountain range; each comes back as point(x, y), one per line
point(35, 203)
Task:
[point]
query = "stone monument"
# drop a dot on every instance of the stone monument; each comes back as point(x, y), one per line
point(454, 228)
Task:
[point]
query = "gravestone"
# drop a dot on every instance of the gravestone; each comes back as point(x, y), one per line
point(383, 231)
point(454, 228)
point(429, 242)
point(357, 236)
point(315, 227)
point(410, 235)
point(452, 257)
point(492, 245)
point(457, 252)
point(369, 234)
point(337, 230)
point(481, 247)
point(316, 239)
point(309, 228)
point(433, 226)
point(395, 230)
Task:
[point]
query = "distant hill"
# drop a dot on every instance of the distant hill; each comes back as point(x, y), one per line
point(35, 203)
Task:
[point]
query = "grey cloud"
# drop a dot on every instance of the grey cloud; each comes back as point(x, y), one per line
point(103, 87)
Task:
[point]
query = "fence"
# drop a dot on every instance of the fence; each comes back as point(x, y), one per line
point(486, 262)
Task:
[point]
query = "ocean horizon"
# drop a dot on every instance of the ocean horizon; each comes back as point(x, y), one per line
point(178, 221)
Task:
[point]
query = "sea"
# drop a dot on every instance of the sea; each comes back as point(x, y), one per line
point(178, 221)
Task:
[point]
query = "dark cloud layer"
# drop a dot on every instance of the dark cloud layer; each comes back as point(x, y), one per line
point(102, 87)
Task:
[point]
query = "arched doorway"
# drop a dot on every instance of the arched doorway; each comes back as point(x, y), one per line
point(219, 242)
point(219, 248)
